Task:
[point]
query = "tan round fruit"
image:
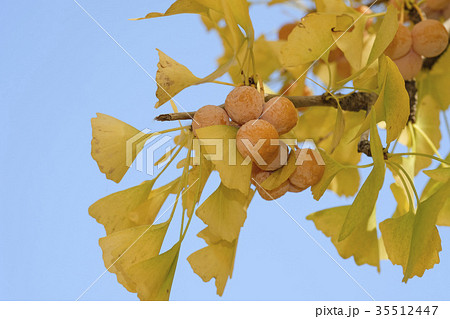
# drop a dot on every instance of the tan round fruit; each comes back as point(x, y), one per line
point(401, 44)
point(366, 11)
point(243, 104)
point(209, 115)
point(253, 139)
point(279, 161)
point(285, 30)
point(430, 38)
point(344, 69)
point(308, 171)
point(437, 4)
point(295, 189)
point(281, 113)
point(274, 193)
point(335, 55)
point(409, 65)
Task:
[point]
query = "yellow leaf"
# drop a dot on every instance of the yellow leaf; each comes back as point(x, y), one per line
point(443, 218)
point(281, 175)
point(362, 244)
point(179, 6)
point(427, 120)
point(154, 277)
point(392, 105)
point(364, 203)
point(197, 178)
point(224, 211)
point(441, 174)
point(233, 174)
point(331, 169)
point(311, 39)
point(215, 260)
point(128, 247)
point(172, 77)
point(111, 140)
point(385, 34)
point(112, 211)
point(146, 212)
point(438, 80)
point(412, 240)
point(346, 182)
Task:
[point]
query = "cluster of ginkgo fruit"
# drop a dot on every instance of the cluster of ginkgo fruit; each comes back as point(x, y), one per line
point(260, 125)
point(436, 9)
point(428, 38)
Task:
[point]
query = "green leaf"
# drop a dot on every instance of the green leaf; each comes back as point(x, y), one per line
point(112, 211)
point(412, 240)
point(362, 244)
point(111, 140)
point(364, 203)
point(234, 175)
point(224, 211)
point(127, 247)
point(154, 277)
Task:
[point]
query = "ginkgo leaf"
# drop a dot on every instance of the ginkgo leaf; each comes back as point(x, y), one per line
point(224, 211)
point(312, 38)
point(226, 158)
point(281, 175)
point(215, 260)
point(128, 247)
point(433, 185)
point(179, 6)
point(112, 211)
point(364, 203)
point(412, 240)
point(428, 123)
point(346, 182)
point(154, 277)
point(146, 212)
point(197, 178)
point(441, 174)
point(392, 105)
point(115, 145)
point(438, 81)
point(331, 6)
point(172, 77)
point(362, 244)
point(331, 169)
point(385, 35)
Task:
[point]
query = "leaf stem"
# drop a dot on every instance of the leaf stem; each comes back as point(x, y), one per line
point(420, 154)
point(428, 140)
point(410, 200)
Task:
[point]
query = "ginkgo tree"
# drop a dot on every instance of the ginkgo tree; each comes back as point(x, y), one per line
point(381, 66)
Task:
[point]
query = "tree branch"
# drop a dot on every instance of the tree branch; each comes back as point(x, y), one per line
point(354, 102)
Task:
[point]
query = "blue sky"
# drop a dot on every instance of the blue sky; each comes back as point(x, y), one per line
point(58, 69)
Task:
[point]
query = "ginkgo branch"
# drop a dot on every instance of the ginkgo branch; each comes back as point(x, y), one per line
point(355, 102)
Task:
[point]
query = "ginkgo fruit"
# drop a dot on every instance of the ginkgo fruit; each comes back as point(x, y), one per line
point(401, 44)
point(437, 4)
point(243, 104)
point(343, 67)
point(308, 171)
point(285, 30)
point(365, 10)
point(209, 115)
point(295, 189)
point(430, 38)
point(254, 138)
point(279, 161)
point(281, 113)
point(409, 65)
